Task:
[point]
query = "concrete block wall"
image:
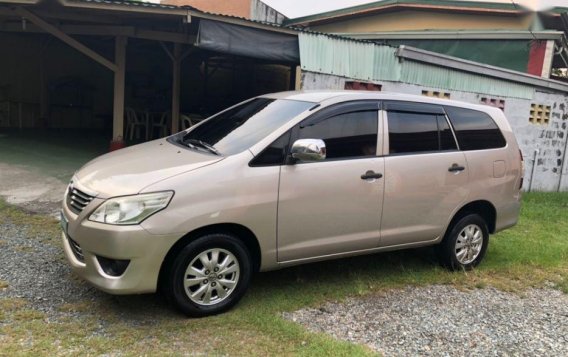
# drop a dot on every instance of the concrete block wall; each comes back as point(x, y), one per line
point(543, 145)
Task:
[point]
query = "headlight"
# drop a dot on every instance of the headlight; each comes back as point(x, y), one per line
point(131, 209)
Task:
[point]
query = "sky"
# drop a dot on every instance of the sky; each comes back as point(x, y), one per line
point(298, 8)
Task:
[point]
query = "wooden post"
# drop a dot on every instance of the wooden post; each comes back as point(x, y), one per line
point(298, 78)
point(176, 73)
point(43, 106)
point(292, 78)
point(119, 74)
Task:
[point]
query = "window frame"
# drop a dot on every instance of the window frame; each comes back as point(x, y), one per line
point(453, 134)
point(416, 108)
point(320, 115)
point(482, 112)
point(352, 106)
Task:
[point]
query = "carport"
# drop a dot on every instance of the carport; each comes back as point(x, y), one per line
point(80, 63)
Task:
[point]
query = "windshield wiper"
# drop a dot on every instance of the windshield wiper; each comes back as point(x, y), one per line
point(202, 144)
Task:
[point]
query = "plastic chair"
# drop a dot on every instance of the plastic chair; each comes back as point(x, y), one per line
point(186, 122)
point(161, 125)
point(133, 123)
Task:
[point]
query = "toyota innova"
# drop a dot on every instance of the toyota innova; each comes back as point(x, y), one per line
point(292, 178)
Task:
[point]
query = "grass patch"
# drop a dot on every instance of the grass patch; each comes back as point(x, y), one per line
point(45, 227)
point(532, 254)
point(9, 306)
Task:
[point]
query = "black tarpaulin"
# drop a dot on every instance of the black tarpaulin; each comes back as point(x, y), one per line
point(250, 42)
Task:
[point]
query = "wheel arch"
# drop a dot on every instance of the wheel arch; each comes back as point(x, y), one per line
point(483, 208)
point(239, 231)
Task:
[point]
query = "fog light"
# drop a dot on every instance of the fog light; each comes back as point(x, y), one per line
point(113, 267)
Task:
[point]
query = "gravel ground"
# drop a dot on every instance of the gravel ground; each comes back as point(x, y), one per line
point(442, 321)
point(36, 271)
point(434, 320)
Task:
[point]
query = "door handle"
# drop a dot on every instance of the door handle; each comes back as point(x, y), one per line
point(371, 175)
point(456, 168)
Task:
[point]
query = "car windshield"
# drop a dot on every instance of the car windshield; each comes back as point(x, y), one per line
point(238, 128)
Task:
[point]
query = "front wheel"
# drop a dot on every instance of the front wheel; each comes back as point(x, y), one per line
point(465, 244)
point(209, 275)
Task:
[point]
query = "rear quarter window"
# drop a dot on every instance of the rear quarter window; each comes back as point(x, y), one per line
point(475, 130)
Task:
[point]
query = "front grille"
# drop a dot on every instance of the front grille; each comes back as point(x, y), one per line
point(76, 249)
point(77, 200)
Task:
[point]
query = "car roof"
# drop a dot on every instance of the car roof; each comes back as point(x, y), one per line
point(322, 96)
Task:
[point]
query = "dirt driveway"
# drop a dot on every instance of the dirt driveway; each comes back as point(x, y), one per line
point(31, 190)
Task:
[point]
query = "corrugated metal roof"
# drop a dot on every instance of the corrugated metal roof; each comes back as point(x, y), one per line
point(461, 65)
point(455, 35)
point(365, 60)
point(372, 62)
point(138, 5)
point(446, 78)
point(557, 10)
point(507, 7)
point(134, 4)
point(185, 9)
point(340, 56)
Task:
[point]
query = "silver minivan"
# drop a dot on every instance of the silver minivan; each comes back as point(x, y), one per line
point(292, 178)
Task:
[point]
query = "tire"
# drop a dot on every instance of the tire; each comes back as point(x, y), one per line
point(465, 243)
point(196, 287)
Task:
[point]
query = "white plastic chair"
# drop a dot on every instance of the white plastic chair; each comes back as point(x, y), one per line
point(4, 114)
point(186, 122)
point(133, 123)
point(161, 125)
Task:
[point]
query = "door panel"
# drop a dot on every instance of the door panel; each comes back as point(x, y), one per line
point(420, 195)
point(426, 177)
point(326, 208)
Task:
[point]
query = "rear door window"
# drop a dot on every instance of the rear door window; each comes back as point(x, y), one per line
point(475, 130)
point(412, 132)
point(415, 128)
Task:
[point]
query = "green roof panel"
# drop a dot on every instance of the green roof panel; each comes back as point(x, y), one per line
point(343, 57)
point(372, 62)
point(446, 78)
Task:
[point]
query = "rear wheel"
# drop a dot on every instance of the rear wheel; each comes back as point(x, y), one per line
point(465, 244)
point(209, 275)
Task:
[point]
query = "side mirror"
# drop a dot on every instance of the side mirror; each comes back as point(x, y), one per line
point(309, 150)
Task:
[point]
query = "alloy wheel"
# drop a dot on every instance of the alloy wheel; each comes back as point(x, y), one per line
point(469, 244)
point(211, 276)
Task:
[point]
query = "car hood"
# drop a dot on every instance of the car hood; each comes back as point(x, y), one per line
point(128, 171)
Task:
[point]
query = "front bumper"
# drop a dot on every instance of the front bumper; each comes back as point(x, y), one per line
point(144, 251)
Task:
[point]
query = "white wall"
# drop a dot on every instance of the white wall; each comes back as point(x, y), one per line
point(548, 141)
